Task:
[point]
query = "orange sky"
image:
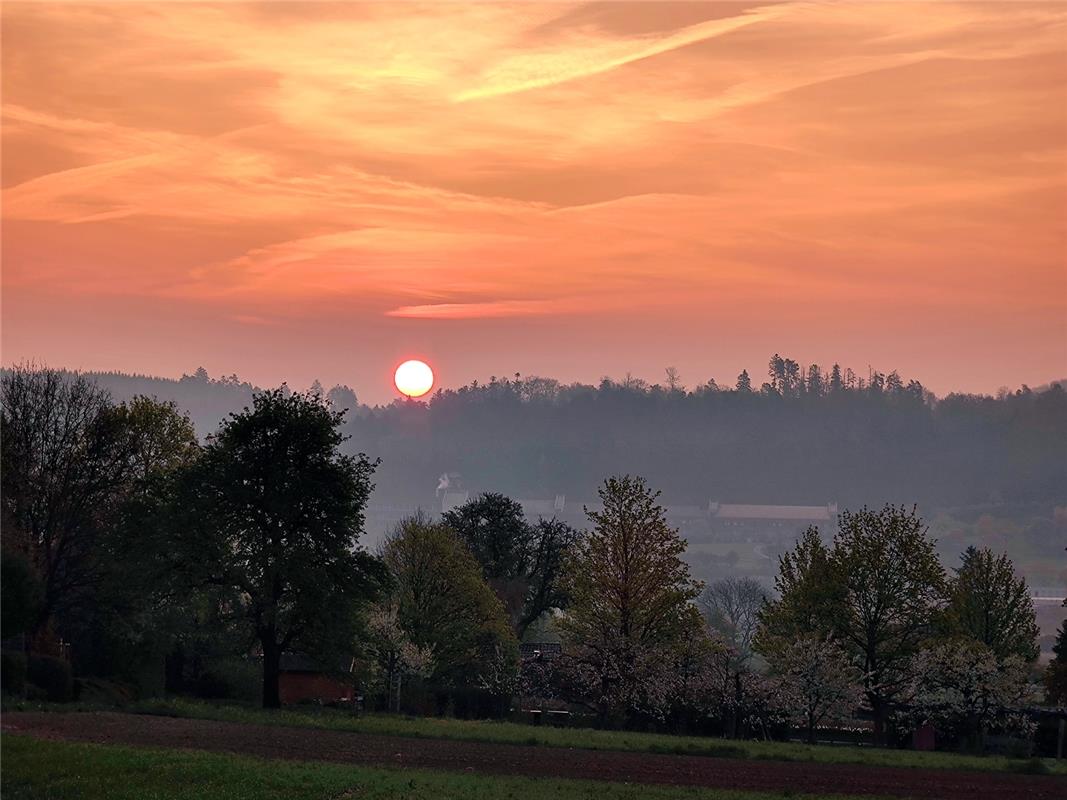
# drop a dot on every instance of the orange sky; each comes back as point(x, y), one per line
point(291, 191)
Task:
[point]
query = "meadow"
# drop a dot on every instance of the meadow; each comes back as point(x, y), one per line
point(504, 732)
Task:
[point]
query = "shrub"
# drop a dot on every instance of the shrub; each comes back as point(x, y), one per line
point(53, 676)
point(13, 672)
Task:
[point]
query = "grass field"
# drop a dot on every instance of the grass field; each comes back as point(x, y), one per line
point(34, 769)
point(580, 738)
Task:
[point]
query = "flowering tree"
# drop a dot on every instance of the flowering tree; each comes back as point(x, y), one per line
point(393, 655)
point(701, 672)
point(819, 682)
point(962, 688)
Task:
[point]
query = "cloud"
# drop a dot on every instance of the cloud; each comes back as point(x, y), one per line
point(495, 308)
point(584, 56)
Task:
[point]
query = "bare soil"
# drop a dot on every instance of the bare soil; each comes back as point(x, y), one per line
point(304, 744)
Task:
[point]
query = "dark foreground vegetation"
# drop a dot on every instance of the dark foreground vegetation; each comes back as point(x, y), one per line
point(142, 561)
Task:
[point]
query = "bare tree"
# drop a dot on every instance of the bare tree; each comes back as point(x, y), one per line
point(674, 380)
point(731, 607)
point(65, 458)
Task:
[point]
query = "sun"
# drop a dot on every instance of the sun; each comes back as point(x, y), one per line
point(413, 378)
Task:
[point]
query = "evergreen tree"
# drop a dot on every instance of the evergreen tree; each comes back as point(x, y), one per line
point(744, 383)
point(836, 383)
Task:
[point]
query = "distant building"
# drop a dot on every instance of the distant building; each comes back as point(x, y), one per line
point(768, 523)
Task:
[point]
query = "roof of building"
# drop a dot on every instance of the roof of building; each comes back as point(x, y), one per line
point(301, 662)
point(803, 513)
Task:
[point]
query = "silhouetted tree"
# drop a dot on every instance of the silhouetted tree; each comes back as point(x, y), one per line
point(274, 511)
point(674, 380)
point(815, 381)
point(744, 383)
point(836, 384)
point(66, 461)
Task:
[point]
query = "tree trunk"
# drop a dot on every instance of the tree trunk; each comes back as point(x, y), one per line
point(272, 656)
point(879, 710)
point(811, 728)
point(174, 670)
point(735, 717)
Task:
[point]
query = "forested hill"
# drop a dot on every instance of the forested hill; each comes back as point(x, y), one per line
point(804, 436)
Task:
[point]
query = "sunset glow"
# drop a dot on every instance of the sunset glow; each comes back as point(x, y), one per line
point(573, 190)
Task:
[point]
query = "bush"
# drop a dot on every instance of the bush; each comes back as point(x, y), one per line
point(53, 676)
point(13, 672)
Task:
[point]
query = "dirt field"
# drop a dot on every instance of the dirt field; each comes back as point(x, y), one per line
point(270, 741)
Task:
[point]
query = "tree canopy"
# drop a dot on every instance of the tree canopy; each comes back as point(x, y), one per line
point(878, 591)
point(989, 603)
point(520, 560)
